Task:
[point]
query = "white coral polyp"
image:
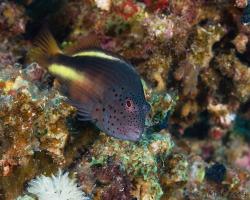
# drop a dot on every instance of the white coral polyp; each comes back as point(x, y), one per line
point(103, 4)
point(59, 187)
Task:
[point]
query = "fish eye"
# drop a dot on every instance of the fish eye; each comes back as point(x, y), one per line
point(128, 103)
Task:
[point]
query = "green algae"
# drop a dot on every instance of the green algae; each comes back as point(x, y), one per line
point(116, 25)
point(138, 160)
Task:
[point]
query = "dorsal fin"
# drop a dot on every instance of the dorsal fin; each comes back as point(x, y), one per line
point(84, 42)
point(44, 48)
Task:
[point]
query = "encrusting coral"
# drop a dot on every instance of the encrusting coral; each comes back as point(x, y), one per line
point(13, 19)
point(140, 163)
point(31, 120)
point(192, 56)
point(37, 118)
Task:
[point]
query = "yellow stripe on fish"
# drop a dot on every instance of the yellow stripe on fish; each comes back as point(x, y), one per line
point(97, 54)
point(66, 72)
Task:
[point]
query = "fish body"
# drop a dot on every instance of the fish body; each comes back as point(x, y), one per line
point(104, 87)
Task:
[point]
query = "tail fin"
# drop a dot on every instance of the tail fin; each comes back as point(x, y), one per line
point(45, 47)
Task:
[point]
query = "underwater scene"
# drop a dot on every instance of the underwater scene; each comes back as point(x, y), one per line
point(124, 100)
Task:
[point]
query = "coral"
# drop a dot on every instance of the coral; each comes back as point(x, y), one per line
point(241, 3)
point(187, 10)
point(103, 4)
point(244, 161)
point(138, 161)
point(117, 184)
point(159, 5)
point(176, 171)
point(31, 121)
point(147, 189)
point(199, 57)
point(216, 173)
point(12, 25)
point(233, 69)
point(221, 114)
point(155, 70)
point(13, 19)
point(122, 151)
point(162, 104)
point(193, 60)
point(240, 42)
point(55, 187)
point(196, 170)
point(104, 182)
point(37, 122)
point(160, 27)
point(196, 186)
point(7, 59)
point(126, 9)
point(25, 197)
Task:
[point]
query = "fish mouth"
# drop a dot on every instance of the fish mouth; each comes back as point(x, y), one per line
point(130, 134)
point(134, 134)
point(134, 137)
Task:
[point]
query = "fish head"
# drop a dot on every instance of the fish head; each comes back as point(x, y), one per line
point(124, 114)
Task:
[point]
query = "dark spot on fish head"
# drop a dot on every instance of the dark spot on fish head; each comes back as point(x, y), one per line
point(126, 119)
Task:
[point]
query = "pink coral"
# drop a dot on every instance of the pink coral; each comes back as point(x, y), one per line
point(244, 161)
point(127, 9)
point(241, 3)
point(158, 5)
point(13, 19)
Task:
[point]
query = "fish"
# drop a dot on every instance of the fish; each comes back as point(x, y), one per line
point(104, 87)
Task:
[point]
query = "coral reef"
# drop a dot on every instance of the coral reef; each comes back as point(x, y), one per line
point(108, 158)
point(193, 58)
point(12, 24)
point(39, 121)
point(13, 19)
point(33, 127)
